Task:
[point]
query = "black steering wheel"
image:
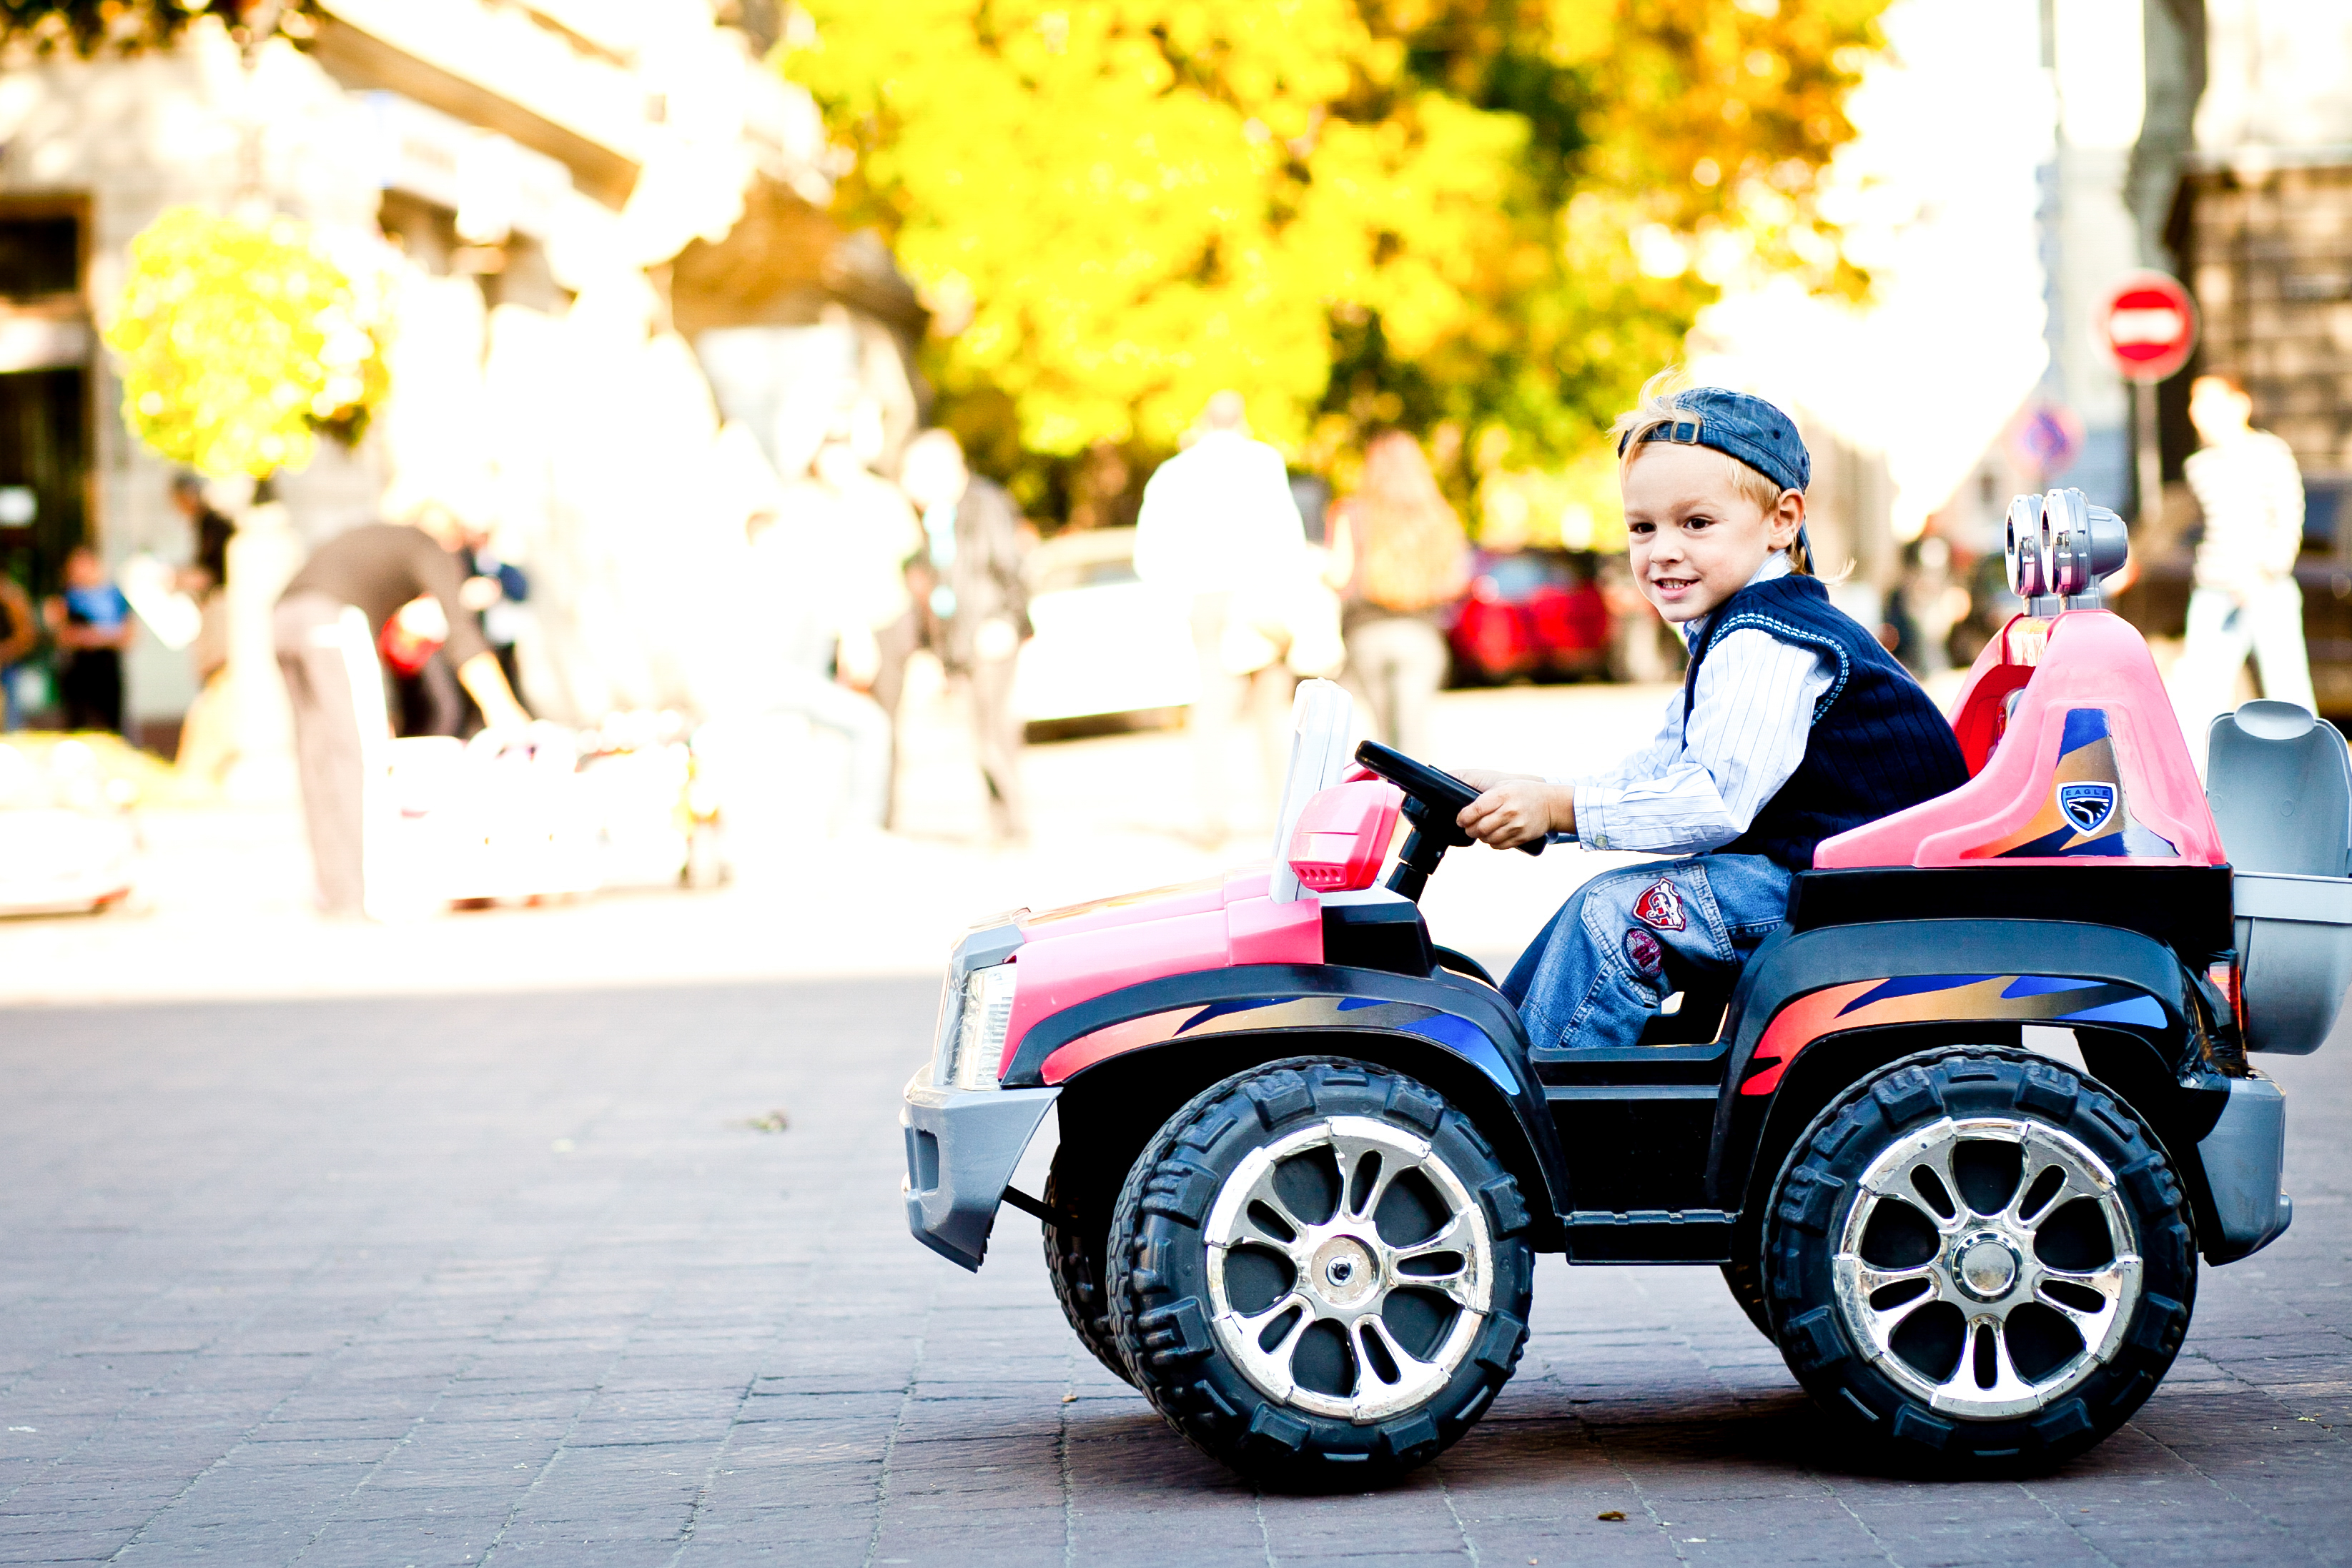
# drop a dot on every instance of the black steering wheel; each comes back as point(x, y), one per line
point(1432, 801)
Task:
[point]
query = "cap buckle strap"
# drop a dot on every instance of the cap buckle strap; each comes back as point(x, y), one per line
point(1681, 432)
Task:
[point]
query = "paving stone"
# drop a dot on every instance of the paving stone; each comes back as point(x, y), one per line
point(310, 1281)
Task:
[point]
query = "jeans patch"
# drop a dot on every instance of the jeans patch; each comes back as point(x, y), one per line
point(1662, 906)
point(1593, 976)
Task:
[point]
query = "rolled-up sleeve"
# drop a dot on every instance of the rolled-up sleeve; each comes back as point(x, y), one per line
point(1701, 783)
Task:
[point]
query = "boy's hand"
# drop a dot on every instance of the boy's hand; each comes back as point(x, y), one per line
point(1513, 811)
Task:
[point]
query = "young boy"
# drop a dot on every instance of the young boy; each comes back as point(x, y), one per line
point(1792, 724)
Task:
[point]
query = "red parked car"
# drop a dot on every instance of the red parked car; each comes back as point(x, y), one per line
point(1534, 612)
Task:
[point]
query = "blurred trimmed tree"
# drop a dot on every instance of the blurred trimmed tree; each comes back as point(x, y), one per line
point(1481, 214)
point(238, 344)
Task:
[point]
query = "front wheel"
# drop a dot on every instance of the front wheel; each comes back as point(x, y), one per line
point(1980, 1258)
point(1320, 1273)
point(1073, 1262)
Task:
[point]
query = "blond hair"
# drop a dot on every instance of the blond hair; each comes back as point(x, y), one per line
point(1657, 407)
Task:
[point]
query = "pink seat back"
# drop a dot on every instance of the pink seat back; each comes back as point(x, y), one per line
point(2074, 754)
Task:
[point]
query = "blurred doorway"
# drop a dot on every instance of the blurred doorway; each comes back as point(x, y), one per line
point(46, 343)
point(44, 450)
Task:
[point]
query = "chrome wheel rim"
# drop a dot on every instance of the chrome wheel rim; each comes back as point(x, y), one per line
point(1363, 1310)
point(2030, 1273)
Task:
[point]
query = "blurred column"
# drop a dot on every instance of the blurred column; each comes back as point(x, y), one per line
point(263, 554)
point(2099, 74)
point(2049, 217)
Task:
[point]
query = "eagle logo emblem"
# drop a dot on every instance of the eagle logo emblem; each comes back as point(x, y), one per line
point(2090, 804)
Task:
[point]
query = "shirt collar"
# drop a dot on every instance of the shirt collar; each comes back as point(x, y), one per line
point(1775, 565)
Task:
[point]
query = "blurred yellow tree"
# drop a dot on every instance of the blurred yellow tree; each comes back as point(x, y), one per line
point(1493, 212)
point(239, 343)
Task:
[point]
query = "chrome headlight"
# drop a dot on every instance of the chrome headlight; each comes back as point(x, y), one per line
point(973, 1028)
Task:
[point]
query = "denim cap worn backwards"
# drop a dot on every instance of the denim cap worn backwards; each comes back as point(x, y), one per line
point(1741, 426)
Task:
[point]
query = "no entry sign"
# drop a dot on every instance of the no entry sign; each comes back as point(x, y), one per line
point(2149, 325)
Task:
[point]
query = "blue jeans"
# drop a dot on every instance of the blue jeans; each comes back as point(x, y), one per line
point(1598, 972)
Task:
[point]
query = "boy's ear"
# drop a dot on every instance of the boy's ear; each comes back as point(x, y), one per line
point(1786, 519)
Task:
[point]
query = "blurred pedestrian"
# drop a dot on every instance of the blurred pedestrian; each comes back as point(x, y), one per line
point(209, 533)
point(426, 696)
point(1406, 557)
point(877, 536)
point(2248, 487)
point(406, 583)
point(817, 638)
point(498, 591)
point(1311, 494)
point(91, 622)
point(1931, 604)
point(20, 634)
point(1220, 531)
point(977, 605)
point(206, 733)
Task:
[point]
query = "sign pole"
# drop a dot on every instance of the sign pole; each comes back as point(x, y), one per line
point(2150, 327)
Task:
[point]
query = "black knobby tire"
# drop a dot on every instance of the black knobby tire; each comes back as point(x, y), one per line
point(2029, 1302)
point(1745, 1276)
point(1447, 1361)
point(1074, 1261)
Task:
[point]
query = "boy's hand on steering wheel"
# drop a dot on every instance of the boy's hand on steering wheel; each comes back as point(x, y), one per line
point(1514, 810)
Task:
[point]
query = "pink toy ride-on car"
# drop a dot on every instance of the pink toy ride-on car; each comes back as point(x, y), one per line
point(1958, 1138)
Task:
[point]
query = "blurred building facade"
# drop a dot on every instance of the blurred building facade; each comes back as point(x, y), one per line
point(2262, 226)
point(602, 228)
point(2242, 185)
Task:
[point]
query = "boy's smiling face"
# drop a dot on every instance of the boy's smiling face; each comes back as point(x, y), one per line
point(1696, 539)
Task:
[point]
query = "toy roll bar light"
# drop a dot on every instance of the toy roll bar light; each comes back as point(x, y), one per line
point(2081, 543)
point(2021, 550)
point(2058, 546)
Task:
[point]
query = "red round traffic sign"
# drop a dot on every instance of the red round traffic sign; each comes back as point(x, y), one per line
point(2150, 326)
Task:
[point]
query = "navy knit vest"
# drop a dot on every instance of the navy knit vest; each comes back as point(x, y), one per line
point(1877, 743)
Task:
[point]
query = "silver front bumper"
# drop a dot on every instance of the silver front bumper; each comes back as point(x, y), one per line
point(962, 1146)
point(2245, 1162)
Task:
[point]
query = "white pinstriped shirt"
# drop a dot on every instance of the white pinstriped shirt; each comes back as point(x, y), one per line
point(1699, 784)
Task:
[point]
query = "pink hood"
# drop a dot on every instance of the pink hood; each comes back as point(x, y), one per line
point(1088, 950)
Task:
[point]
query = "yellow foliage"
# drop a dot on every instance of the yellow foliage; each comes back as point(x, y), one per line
point(1340, 208)
point(238, 343)
point(1575, 506)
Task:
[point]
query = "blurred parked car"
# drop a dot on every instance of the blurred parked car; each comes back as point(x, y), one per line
point(1534, 612)
point(1105, 643)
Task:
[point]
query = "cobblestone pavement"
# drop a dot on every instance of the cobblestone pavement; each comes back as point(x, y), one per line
point(525, 1279)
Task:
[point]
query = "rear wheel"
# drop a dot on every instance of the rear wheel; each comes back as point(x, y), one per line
point(1982, 1256)
point(1320, 1273)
